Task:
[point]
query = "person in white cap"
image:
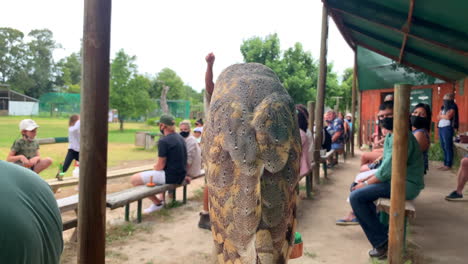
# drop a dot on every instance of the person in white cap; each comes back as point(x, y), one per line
point(197, 134)
point(25, 151)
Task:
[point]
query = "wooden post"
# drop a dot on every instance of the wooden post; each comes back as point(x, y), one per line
point(94, 110)
point(399, 163)
point(353, 103)
point(321, 92)
point(315, 177)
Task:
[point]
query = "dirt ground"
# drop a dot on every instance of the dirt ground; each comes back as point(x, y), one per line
point(437, 234)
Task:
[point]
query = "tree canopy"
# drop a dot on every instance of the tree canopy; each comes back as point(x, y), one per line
point(296, 69)
point(128, 90)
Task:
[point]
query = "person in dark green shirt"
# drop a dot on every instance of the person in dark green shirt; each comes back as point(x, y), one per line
point(31, 225)
point(378, 185)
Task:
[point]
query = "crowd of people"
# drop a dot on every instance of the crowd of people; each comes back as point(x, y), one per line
point(180, 159)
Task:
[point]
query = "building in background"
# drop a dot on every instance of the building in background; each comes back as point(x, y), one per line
point(16, 104)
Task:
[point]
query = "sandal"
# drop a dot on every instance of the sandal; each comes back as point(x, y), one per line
point(345, 222)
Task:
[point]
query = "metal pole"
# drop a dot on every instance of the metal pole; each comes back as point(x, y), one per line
point(399, 163)
point(353, 103)
point(94, 110)
point(321, 92)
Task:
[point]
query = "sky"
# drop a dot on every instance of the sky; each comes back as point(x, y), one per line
point(179, 33)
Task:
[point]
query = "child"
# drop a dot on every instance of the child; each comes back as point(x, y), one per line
point(25, 151)
point(74, 139)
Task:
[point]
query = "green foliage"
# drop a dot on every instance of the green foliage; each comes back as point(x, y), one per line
point(69, 74)
point(128, 90)
point(168, 77)
point(436, 153)
point(12, 51)
point(296, 69)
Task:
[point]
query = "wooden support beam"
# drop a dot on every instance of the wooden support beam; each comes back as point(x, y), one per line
point(321, 92)
point(353, 103)
point(398, 183)
point(315, 178)
point(93, 154)
point(406, 29)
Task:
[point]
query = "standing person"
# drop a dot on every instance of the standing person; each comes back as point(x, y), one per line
point(448, 121)
point(421, 125)
point(302, 118)
point(336, 130)
point(31, 225)
point(378, 185)
point(199, 124)
point(348, 119)
point(197, 132)
point(74, 146)
point(462, 178)
point(25, 151)
point(193, 150)
point(171, 166)
point(209, 88)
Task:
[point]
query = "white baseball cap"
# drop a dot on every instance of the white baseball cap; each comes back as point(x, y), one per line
point(28, 125)
point(198, 129)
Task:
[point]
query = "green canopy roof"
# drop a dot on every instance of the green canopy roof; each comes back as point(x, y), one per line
point(430, 36)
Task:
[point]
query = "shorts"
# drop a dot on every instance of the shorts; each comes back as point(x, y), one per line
point(159, 177)
point(337, 146)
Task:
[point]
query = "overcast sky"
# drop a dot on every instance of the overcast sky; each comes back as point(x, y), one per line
point(178, 34)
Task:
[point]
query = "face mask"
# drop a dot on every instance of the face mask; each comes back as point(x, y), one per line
point(387, 123)
point(418, 122)
point(161, 130)
point(328, 121)
point(447, 103)
point(184, 134)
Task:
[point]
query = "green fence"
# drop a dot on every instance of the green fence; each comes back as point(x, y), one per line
point(59, 104)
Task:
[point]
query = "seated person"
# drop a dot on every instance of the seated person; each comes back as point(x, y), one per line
point(421, 125)
point(462, 178)
point(377, 185)
point(336, 130)
point(31, 224)
point(25, 151)
point(193, 150)
point(302, 116)
point(171, 166)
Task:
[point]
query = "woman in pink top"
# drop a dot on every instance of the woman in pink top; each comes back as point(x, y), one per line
point(302, 117)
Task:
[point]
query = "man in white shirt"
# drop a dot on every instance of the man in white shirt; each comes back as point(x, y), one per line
point(193, 150)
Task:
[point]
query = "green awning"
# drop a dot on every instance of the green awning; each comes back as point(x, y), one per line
point(431, 37)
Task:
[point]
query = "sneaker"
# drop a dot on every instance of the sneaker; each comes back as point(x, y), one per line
point(204, 221)
point(153, 208)
point(345, 222)
point(380, 252)
point(454, 196)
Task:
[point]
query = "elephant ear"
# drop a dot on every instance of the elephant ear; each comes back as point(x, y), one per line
point(275, 124)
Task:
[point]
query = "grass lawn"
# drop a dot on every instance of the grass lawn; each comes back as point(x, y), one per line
point(121, 145)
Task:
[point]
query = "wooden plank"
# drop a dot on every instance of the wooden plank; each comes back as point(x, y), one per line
point(68, 203)
point(122, 198)
point(94, 130)
point(71, 181)
point(383, 205)
point(70, 224)
point(43, 141)
point(398, 183)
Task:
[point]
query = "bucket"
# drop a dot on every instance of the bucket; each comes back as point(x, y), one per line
point(298, 247)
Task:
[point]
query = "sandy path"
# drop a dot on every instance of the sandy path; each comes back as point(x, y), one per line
point(173, 237)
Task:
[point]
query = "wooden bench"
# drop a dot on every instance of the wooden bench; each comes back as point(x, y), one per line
point(383, 206)
point(122, 198)
point(138, 193)
point(324, 159)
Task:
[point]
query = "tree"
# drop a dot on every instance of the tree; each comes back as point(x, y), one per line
point(170, 78)
point(128, 91)
point(295, 68)
point(69, 74)
point(12, 53)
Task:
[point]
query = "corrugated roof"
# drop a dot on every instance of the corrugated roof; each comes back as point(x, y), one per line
point(430, 36)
